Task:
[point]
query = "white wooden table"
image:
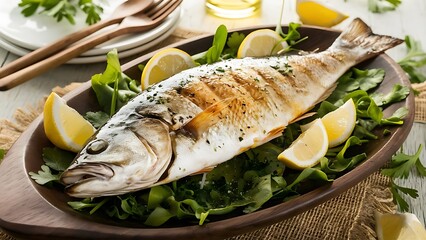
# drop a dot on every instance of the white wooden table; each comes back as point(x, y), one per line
point(408, 19)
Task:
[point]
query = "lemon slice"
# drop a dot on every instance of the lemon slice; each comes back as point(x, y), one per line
point(165, 64)
point(307, 150)
point(64, 126)
point(340, 123)
point(399, 226)
point(261, 43)
point(313, 13)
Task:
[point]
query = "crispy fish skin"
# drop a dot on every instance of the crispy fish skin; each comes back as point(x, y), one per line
point(206, 115)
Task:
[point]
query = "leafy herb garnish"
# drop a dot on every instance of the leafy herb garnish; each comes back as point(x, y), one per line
point(400, 201)
point(44, 175)
point(381, 6)
point(233, 43)
point(223, 47)
point(113, 88)
point(414, 60)
point(219, 41)
point(400, 167)
point(97, 119)
point(55, 162)
point(62, 9)
point(401, 164)
point(292, 36)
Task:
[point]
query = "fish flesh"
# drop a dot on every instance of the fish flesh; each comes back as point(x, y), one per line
point(206, 115)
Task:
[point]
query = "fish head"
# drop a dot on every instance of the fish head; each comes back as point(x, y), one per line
point(119, 159)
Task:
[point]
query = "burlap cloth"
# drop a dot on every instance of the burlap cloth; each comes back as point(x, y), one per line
point(348, 216)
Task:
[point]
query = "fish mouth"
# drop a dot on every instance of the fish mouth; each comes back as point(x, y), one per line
point(87, 172)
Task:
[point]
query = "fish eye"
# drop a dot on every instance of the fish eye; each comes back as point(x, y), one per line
point(97, 146)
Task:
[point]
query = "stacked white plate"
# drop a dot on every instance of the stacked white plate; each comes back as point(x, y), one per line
point(21, 35)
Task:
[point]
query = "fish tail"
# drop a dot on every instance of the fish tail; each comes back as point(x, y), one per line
point(358, 37)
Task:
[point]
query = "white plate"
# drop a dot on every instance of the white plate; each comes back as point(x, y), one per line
point(95, 58)
point(40, 30)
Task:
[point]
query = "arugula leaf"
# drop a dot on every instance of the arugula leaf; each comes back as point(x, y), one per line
point(159, 216)
point(219, 41)
point(113, 88)
point(380, 6)
point(97, 119)
point(310, 173)
point(397, 94)
point(44, 176)
point(414, 60)
point(62, 9)
point(364, 127)
point(57, 159)
point(370, 78)
point(292, 34)
point(396, 118)
point(342, 162)
point(401, 164)
point(2, 154)
point(355, 79)
point(402, 204)
point(325, 107)
point(260, 193)
point(157, 195)
point(292, 37)
point(87, 203)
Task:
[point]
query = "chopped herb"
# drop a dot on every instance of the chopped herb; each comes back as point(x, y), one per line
point(220, 69)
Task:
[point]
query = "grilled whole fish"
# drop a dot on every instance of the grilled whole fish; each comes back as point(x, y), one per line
point(206, 115)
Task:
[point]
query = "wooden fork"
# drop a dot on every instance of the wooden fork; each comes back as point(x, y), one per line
point(131, 24)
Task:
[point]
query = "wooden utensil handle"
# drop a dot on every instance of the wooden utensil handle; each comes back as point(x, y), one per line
point(53, 48)
point(53, 61)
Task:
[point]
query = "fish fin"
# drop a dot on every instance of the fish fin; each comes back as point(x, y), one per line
point(276, 132)
point(359, 37)
point(204, 170)
point(306, 115)
point(207, 118)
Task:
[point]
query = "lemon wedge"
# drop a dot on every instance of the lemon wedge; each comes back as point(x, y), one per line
point(313, 13)
point(64, 126)
point(399, 226)
point(307, 150)
point(164, 64)
point(260, 43)
point(340, 123)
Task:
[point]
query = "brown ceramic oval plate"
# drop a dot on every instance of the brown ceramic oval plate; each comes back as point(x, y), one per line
point(28, 210)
